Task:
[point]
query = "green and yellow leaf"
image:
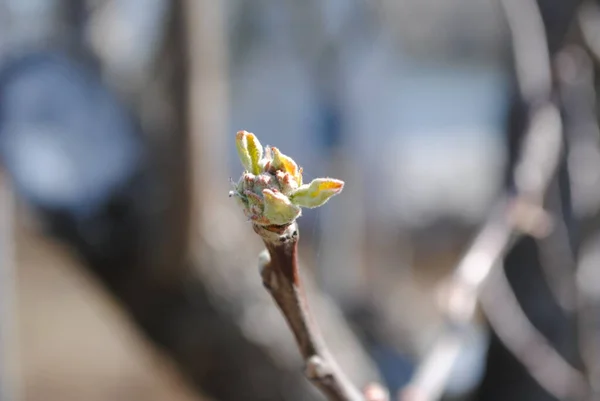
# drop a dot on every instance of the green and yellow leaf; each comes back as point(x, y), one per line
point(286, 164)
point(317, 193)
point(250, 151)
point(278, 209)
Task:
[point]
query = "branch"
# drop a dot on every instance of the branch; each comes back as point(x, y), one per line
point(576, 78)
point(526, 342)
point(281, 277)
point(522, 213)
point(280, 274)
point(271, 193)
point(515, 215)
point(433, 372)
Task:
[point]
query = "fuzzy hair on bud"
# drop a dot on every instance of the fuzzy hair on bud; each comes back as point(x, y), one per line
point(270, 189)
point(317, 193)
point(249, 150)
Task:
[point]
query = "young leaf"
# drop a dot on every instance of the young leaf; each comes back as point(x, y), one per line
point(317, 193)
point(285, 164)
point(287, 183)
point(278, 208)
point(241, 145)
point(249, 150)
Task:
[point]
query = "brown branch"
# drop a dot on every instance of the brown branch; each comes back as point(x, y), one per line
point(281, 277)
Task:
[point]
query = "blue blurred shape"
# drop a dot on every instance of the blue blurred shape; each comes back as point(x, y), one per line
point(65, 140)
point(396, 369)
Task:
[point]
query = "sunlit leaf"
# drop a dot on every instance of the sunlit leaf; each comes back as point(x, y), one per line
point(287, 183)
point(278, 209)
point(284, 163)
point(249, 150)
point(317, 193)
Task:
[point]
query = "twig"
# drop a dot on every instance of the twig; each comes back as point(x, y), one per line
point(485, 252)
point(588, 16)
point(271, 193)
point(556, 254)
point(530, 346)
point(589, 311)
point(521, 214)
point(530, 48)
point(575, 75)
point(540, 156)
point(280, 274)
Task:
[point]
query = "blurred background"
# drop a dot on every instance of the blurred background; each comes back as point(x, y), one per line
point(128, 274)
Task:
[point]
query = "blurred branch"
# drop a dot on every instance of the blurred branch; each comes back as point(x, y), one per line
point(589, 311)
point(588, 19)
point(434, 370)
point(527, 343)
point(575, 76)
point(518, 214)
point(208, 81)
point(281, 277)
point(8, 380)
point(530, 48)
point(557, 256)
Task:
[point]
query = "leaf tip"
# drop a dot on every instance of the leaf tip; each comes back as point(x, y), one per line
point(279, 210)
point(317, 193)
point(249, 150)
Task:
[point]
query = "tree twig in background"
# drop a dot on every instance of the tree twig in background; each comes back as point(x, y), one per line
point(522, 213)
point(556, 253)
point(519, 215)
point(589, 311)
point(575, 77)
point(530, 48)
point(532, 349)
point(433, 372)
point(587, 20)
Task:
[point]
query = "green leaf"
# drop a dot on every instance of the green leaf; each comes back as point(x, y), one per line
point(286, 164)
point(249, 150)
point(317, 193)
point(278, 208)
point(241, 145)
